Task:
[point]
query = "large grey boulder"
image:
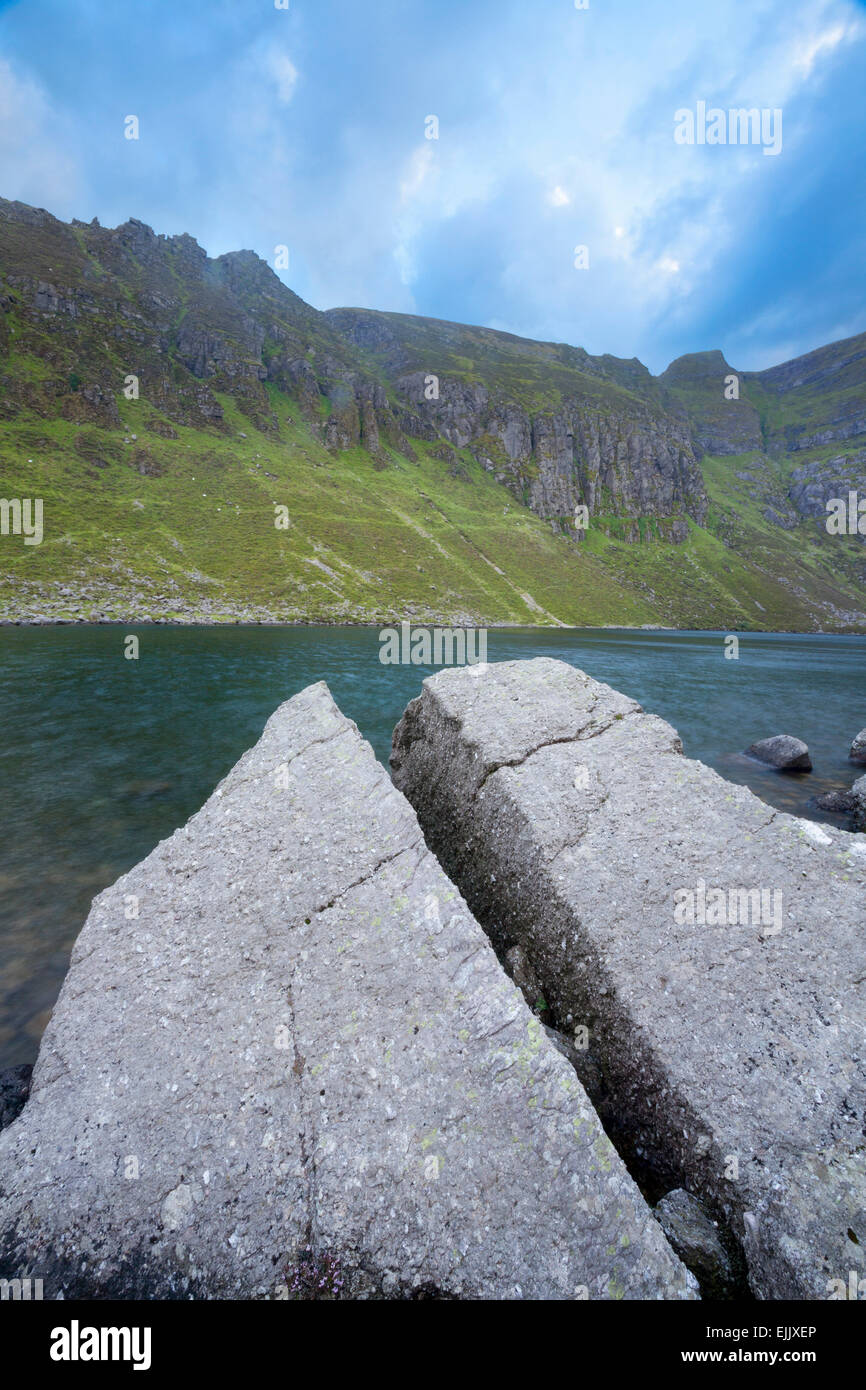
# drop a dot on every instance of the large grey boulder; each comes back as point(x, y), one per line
point(858, 748)
point(784, 752)
point(286, 1062)
point(709, 951)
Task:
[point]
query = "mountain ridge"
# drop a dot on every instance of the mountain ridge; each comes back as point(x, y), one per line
point(471, 450)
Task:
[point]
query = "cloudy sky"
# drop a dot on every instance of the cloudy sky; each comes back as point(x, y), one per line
point(305, 126)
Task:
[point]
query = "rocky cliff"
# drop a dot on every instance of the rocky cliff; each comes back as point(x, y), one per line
point(574, 435)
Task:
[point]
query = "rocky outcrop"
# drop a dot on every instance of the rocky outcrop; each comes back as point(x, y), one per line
point(813, 485)
point(708, 949)
point(782, 751)
point(286, 1063)
point(621, 460)
point(858, 748)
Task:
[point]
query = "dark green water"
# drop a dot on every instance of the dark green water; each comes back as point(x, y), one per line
point(102, 757)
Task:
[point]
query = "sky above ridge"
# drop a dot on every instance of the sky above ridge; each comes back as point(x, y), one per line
point(307, 127)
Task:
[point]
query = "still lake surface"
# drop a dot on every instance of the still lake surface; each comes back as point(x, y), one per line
point(102, 757)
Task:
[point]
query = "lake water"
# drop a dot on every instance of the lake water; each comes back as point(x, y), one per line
point(102, 757)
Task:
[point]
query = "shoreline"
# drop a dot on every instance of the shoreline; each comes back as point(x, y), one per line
point(432, 622)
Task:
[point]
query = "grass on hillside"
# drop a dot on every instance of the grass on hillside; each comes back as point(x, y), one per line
point(193, 538)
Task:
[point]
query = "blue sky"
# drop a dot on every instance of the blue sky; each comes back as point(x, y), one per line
point(305, 127)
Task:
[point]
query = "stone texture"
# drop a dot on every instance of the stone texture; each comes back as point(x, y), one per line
point(784, 752)
point(858, 748)
point(734, 1056)
point(300, 1067)
point(841, 802)
point(14, 1090)
point(523, 976)
point(695, 1237)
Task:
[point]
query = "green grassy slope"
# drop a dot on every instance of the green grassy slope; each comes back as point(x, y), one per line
point(364, 544)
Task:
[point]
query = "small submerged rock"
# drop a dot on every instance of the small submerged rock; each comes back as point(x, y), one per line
point(783, 752)
point(145, 790)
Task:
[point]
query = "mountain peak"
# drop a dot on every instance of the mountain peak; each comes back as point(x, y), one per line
point(696, 367)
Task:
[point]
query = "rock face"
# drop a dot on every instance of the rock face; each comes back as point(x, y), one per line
point(14, 1090)
point(841, 802)
point(710, 949)
point(784, 752)
point(619, 454)
point(813, 485)
point(286, 1062)
point(695, 1237)
point(858, 748)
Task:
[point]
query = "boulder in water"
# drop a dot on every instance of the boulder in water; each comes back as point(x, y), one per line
point(835, 801)
point(783, 752)
point(858, 748)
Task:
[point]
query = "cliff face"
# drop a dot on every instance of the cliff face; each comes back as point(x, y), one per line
point(627, 463)
point(805, 418)
point(124, 352)
point(559, 428)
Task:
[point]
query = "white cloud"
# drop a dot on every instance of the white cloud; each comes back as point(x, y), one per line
point(420, 167)
point(283, 74)
point(37, 154)
point(810, 49)
point(665, 224)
